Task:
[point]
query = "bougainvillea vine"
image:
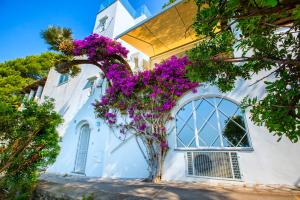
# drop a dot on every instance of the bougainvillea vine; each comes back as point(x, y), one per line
point(136, 103)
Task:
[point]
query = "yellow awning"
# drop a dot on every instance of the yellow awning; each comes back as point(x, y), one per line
point(166, 31)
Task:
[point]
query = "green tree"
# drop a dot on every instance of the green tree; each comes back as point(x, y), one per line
point(29, 142)
point(266, 33)
point(16, 74)
point(28, 136)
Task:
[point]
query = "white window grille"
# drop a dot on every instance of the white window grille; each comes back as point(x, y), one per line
point(211, 123)
point(216, 164)
point(63, 79)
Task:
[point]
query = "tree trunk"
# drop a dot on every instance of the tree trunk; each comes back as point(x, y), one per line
point(156, 156)
point(156, 176)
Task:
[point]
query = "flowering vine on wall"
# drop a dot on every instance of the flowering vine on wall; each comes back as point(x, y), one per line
point(136, 103)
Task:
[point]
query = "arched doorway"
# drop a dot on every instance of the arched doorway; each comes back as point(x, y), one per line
point(82, 149)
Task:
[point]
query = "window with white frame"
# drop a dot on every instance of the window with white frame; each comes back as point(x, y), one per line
point(91, 84)
point(63, 79)
point(102, 23)
point(211, 122)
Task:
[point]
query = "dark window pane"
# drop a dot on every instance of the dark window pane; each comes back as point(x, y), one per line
point(234, 131)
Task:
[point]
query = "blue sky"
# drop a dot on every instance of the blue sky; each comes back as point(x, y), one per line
point(22, 21)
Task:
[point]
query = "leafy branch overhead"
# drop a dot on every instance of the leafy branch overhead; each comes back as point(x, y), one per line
point(244, 38)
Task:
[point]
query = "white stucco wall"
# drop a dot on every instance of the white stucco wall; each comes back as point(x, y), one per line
point(73, 102)
point(119, 20)
point(110, 23)
point(270, 162)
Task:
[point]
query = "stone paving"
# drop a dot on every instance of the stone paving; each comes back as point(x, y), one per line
point(75, 187)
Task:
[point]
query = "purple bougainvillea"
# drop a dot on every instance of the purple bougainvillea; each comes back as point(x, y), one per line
point(144, 98)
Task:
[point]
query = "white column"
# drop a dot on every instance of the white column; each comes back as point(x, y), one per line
point(26, 96)
point(39, 92)
point(31, 94)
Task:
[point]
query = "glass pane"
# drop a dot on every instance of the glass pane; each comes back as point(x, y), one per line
point(193, 144)
point(179, 143)
point(234, 131)
point(209, 132)
point(187, 133)
point(63, 78)
point(185, 125)
point(185, 112)
point(212, 101)
point(179, 124)
point(227, 143)
point(228, 107)
point(217, 142)
point(89, 84)
point(203, 111)
point(223, 119)
point(188, 122)
point(198, 102)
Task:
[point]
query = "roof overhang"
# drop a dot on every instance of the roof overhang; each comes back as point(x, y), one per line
point(34, 85)
point(165, 31)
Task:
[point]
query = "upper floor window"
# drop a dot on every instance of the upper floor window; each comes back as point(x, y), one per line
point(63, 79)
point(102, 23)
point(211, 123)
point(91, 84)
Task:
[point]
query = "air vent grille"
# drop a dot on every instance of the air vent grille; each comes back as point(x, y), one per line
point(214, 164)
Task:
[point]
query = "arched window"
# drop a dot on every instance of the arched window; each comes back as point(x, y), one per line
point(212, 123)
point(82, 149)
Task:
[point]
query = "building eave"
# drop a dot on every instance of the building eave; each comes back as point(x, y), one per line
point(167, 30)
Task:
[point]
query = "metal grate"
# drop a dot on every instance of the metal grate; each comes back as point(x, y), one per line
point(235, 165)
point(215, 164)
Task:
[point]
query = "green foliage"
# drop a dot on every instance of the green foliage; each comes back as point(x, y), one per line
point(243, 38)
point(29, 142)
point(16, 74)
point(88, 197)
point(60, 39)
point(55, 36)
point(169, 3)
point(28, 137)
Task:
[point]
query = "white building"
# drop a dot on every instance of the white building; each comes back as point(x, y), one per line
point(201, 147)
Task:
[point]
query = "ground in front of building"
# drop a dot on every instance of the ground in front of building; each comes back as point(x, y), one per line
point(76, 187)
